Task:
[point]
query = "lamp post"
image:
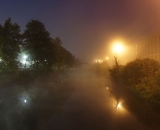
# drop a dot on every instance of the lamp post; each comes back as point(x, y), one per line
point(24, 60)
point(118, 48)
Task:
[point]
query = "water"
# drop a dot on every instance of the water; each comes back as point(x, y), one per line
point(81, 102)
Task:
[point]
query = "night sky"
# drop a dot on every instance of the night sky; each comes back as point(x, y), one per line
point(86, 27)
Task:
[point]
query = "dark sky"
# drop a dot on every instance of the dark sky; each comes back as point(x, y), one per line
point(86, 27)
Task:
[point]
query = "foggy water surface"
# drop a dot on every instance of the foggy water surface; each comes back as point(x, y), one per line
point(92, 107)
point(81, 101)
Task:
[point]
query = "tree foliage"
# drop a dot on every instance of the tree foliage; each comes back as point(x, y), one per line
point(10, 39)
point(116, 71)
point(141, 77)
point(38, 45)
point(44, 52)
point(63, 57)
point(135, 71)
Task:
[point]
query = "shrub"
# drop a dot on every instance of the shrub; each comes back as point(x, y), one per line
point(143, 78)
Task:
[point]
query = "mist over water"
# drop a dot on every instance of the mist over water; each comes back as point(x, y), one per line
point(91, 106)
point(80, 100)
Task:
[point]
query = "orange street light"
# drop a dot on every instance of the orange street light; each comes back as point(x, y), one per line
point(118, 48)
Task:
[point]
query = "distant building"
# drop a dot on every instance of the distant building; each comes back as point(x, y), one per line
point(151, 47)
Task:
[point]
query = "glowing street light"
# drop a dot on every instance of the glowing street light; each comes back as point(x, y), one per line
point(24, 59)
point(118, 48)
point(98, 61)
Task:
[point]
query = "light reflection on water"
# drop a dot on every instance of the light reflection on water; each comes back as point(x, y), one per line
point(89, 106)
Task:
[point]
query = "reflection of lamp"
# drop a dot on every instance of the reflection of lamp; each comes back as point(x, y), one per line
point(119, 105)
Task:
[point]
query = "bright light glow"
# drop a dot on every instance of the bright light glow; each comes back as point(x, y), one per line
point(107, 88)
point(107, 58)
point(98, 61)
point(24, 61)
point(25, 101)
point(119, 105)
point(118, 47)
point(25, 57)
point(118, 108)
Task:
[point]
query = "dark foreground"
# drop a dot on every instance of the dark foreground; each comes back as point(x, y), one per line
point(79, 101)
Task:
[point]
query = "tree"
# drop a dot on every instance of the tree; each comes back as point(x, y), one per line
point(135, 71)
point(10, 39)
point(142, 77)
point(69, 59)
point(38, 45)
point(116, 72)
point(59, 53)
point(0, 43)
point(63, 58)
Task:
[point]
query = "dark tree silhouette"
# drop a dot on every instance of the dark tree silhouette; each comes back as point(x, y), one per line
point(38, 45)
point(10, 39)
point(63, 57)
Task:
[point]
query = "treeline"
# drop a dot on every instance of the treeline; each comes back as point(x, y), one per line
point(141, 77)
point(43, 52)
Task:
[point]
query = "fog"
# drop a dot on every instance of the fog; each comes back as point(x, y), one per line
point(86, 27)
point(80, 100)
point(91, 106)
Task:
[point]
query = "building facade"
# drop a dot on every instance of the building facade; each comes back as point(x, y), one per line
point(151, 47)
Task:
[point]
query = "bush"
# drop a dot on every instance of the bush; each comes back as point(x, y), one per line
point(142, 77)
point(135, 71)
point(139, 76)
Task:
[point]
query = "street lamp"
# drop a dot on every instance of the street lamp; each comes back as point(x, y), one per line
point(25, 56)
point(118, 48)
point(24, 60)
point(98, 61)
